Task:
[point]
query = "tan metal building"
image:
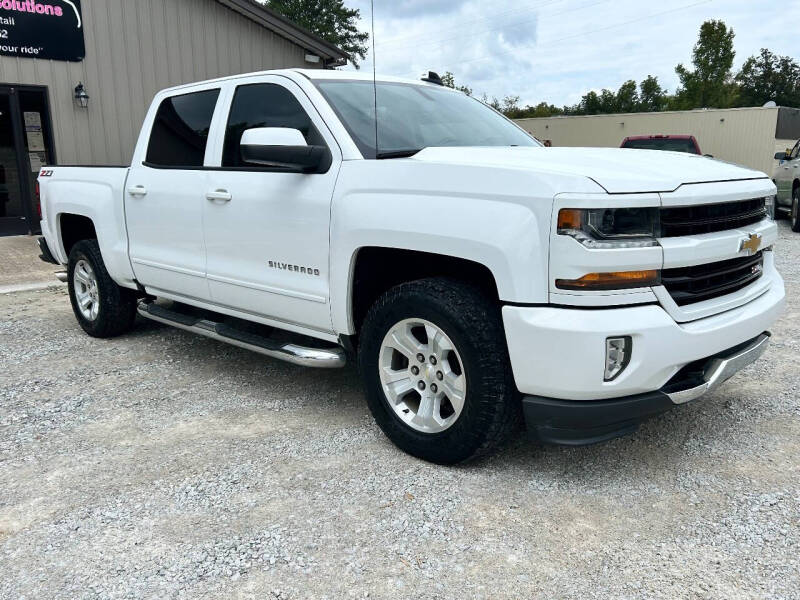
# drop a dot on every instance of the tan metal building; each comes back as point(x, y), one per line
point(746, 136)
point(55, 53)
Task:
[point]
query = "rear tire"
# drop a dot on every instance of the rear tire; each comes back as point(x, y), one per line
point(795, 216)
point(103, 309)
point(460, 325)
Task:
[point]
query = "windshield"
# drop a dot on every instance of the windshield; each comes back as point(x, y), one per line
point(413, 117)
point(673, 145)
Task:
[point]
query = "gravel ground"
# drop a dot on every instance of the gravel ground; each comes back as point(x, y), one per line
point(161, 464)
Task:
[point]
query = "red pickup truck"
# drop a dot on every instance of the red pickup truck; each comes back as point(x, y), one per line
point(673, 143)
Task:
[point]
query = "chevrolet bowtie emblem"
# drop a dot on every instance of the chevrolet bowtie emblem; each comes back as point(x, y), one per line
point(751, 244)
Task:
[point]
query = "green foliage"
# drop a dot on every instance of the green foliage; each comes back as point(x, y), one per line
point(329, 19)
point(450, 81)
point(652, 97)
point(769, 77)
point(710, 84)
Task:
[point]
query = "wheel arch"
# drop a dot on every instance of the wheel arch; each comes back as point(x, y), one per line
point(72, 228)
point(376, 269)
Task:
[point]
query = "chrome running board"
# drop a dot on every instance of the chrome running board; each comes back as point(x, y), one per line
point(720, 369)
point(62, 276)
point(324, 358)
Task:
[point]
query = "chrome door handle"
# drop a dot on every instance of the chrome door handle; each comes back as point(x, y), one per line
point(138, 190)
point(219, 196)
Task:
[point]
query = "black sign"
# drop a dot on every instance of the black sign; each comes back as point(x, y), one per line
point(51, 29)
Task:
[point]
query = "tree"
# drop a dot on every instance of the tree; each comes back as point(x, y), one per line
point(710, 83)
point(627, 99)
point(329, 19)
point(590, 104)
point(652, 97)
point(449, 80)
point(769, 77)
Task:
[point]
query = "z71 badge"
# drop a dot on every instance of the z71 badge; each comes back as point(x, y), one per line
point(46, 173)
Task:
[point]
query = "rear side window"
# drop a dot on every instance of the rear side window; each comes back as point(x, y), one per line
point(264, 105)
point(180, 131)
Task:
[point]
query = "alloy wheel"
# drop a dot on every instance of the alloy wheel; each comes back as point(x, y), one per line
point(422, 375)
point(86, 291)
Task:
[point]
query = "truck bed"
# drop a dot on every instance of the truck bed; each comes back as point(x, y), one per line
point(96, 192)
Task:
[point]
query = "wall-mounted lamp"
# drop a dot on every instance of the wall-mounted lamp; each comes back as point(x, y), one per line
point(81, 97)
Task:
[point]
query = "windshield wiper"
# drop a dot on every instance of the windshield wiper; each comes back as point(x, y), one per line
point(398, 153)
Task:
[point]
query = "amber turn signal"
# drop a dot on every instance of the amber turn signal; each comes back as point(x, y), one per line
point(569, 218)
point(611, 281)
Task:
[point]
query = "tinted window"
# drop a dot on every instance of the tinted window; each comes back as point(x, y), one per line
point(673, 145)
point(180, 131)
point(795, 151)
point(413, 117)
point(264, 105)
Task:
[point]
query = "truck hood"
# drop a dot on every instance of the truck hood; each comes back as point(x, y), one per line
point(617, 170)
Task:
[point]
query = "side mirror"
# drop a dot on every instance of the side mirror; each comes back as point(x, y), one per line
point(780, 156)
point(282, 148)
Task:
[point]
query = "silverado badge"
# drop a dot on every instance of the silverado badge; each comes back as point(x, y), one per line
point(751, 244)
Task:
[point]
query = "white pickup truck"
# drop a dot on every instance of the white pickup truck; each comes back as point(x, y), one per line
point(477, 277)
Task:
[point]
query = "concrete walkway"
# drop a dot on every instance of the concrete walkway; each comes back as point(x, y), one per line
point(20, 267)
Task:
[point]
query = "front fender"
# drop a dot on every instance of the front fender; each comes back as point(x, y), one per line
point(505, 228)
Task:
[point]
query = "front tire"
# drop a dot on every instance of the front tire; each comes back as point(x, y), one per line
point(103, 309)
point(436, 370)
point(795, 218)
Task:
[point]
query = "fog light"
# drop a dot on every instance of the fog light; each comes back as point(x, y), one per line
point(618, 355)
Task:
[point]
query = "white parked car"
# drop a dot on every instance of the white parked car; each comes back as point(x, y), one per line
point(476, 276)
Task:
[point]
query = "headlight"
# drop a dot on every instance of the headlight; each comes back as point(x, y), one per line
point(606, 228)
point(769, 204)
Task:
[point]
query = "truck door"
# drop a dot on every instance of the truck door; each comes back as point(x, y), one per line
point(165, 197)
point(267, 230)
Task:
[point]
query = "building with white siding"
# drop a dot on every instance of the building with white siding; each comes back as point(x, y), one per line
point(745, 136)
point(118, 53)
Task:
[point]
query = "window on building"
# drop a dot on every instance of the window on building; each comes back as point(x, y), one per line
point(264, 105)
point(180, 130)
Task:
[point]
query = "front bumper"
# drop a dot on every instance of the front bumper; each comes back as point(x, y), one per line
point(559, 353)
point(580, 422)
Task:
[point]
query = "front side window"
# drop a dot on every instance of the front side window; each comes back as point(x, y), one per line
point(412, 117)
point(795, 151)
point(264, 105)
point(180, 130)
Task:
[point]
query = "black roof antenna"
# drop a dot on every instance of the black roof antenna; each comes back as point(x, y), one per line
point(433, 77)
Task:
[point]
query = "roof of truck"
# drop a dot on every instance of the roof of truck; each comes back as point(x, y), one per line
point(311, 74)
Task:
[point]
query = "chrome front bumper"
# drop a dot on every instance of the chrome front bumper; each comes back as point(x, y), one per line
point(720, 369)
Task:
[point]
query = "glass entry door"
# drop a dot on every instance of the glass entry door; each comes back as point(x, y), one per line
point(13, 216)
point(25, 146)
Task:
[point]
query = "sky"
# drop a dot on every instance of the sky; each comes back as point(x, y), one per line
point(558, 50)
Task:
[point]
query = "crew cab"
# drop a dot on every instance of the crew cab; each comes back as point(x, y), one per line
point(477, 278)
